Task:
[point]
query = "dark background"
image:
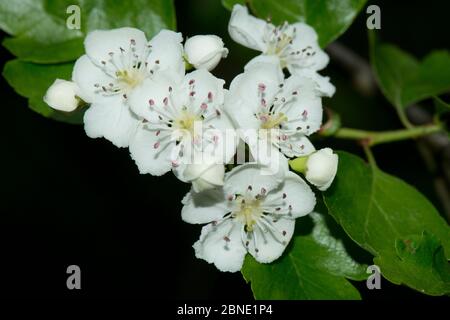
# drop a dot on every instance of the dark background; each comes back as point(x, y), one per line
point(68, 199)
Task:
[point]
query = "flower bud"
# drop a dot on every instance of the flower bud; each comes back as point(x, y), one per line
point(62, 95)
point(204, 176)
point(204, 51)
point(321, 168)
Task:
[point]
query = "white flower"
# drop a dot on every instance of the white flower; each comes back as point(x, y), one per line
point(276, 115)
point(62, 95)
point(252, 213)
point(321, 168)
point(205, 176)
point(116, 63)
point(183, 122)
point(295, 45)
point(205, 51)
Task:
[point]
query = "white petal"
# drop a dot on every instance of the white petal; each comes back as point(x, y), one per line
point(241, 177)
point(100, 43)
point(204, 207)
point(250, 90)
point(271, 244)
point(264, 59)
point(222, 245)
point(246, 29)
point(266, 154)
point(167, 53)
point(199, 87)
point(304, 111)
point(297, 145)
point(112, 119)
point(295, 193)
point(150, 157)
point(241, 113)
point(323, 86)
point(86, 75)
point(224, 138)
point(149, 97)
point(307, 37)
point(247, 85)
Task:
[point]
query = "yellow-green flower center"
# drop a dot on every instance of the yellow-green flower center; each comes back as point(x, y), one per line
point(248, 212)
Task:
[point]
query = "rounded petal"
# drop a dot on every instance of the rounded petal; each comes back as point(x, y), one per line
point(264, 59)
point(147, 99)
point(222, 137)
point(222, 245)
point(112, 119)
point(323, 86)
point(241, 113)
point(306, 39)
point(201, 88)
point(150, 154)
point(204, 207)
point(260, 80)
point(100, 43)
point(238, 180)
point(88, 77)
point(304, 111)
point(294, 197)
point(266, 154)
point(246, 29)
point(297, 145)
point(271, 243)
point(251, 92)
point(167, 53)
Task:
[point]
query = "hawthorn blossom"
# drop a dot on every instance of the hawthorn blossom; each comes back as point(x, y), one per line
point(275, 115)
point(183, 122)
point(294, 45)
point(116, 63)
point(252, 213)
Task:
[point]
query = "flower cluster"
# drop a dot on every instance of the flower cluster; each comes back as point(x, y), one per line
point(141, 97)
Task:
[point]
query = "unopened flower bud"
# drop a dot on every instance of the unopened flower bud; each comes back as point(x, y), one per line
point(321, 168)
point(205, 176)
point(204, 51)
point(62, 95)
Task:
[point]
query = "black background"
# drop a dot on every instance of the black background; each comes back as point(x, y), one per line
point(68, 199)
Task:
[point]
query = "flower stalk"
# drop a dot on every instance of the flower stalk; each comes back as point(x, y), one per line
point(371, 138)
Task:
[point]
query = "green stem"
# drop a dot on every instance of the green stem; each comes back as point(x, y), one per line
point(371, 138)
point(403, 118)
point(370, 156)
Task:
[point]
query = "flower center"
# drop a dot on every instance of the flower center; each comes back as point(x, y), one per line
point(248, 211)
point(271, 121)
point(129, 79)
point(186, 121)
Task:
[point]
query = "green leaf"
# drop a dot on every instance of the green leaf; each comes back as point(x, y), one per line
point(330, 18)
point(377, 211)
point(32, 81)
point(441, 106)
point(415, 257)
point(403, 79)
point(40, 31)
point(314, 266)
point(230, 3)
